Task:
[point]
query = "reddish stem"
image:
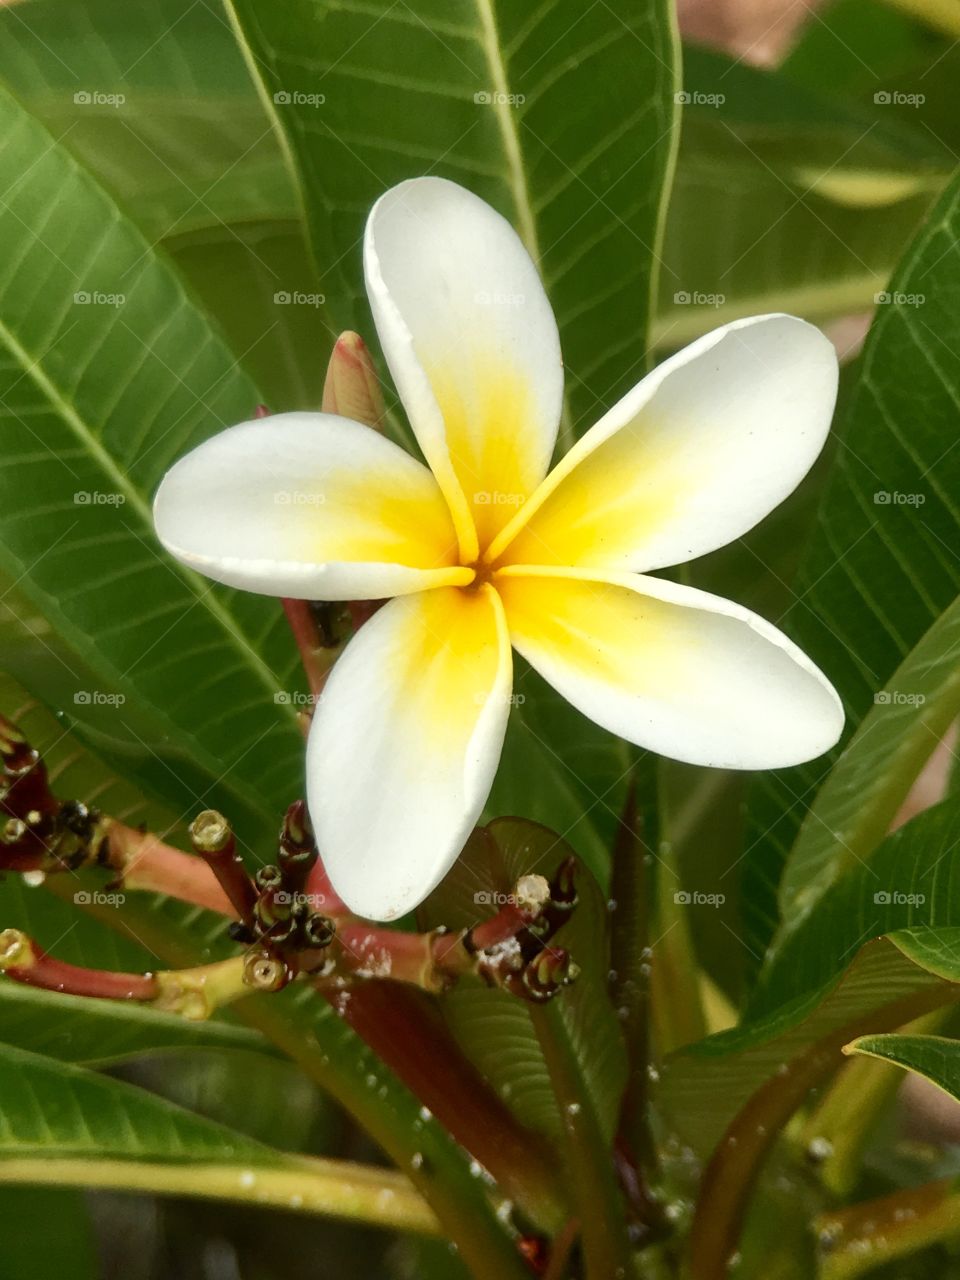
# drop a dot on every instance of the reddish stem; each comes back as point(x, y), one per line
point(309, 642)
point(42, 970)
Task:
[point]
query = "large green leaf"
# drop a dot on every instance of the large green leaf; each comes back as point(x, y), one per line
point(155, 100)
point(703, 1087)
point(62, 1123)
point(107, 373)
point(831, 971)
point(495, 1028)
point(937, 1058)
point(810, 203)
point(53, 1109)
point(87, 1031)
point(881, 566)
point(909, 882)
point(573, 145)
point(856, 805)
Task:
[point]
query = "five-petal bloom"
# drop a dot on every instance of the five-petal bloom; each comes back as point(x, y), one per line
point(485, 549)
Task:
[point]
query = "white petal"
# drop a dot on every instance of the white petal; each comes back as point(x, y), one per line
point(405, 744)
point(471, 343)
point(311, 506)
point(681, 672)
point(690, 459)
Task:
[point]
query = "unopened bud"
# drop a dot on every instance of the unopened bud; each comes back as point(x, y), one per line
point(352, 388)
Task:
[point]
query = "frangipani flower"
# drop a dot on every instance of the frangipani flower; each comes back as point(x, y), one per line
point(485, 548)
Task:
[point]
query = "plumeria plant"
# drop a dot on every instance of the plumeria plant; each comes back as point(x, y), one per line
point(477, 705)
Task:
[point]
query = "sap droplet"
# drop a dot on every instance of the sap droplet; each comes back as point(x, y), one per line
point(416, 1160)
point(34, 879)
point(819, 1149)
point(248, 1179)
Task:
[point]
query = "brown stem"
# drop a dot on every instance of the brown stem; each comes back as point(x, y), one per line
point(310, 643)
point(406, 1030)
point(144, 862)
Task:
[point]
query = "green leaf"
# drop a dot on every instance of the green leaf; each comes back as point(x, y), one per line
point(56, 1110)
point(94, 1032)
point(936, 1058)
point(462, 88)
point(810, 202)
point(880, 568)
point(98, 399)
point(844, 962)
point(704, 1087)
point(63, 1124)
point(856, 805)
point(177, 134)
point(907, 883)
point(495, 1028)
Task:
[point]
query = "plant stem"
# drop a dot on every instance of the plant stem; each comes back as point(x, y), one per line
point(864, 1236)
point(333, 1188)
point(630, 967)
point(590, 1169)
point(675, 986)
